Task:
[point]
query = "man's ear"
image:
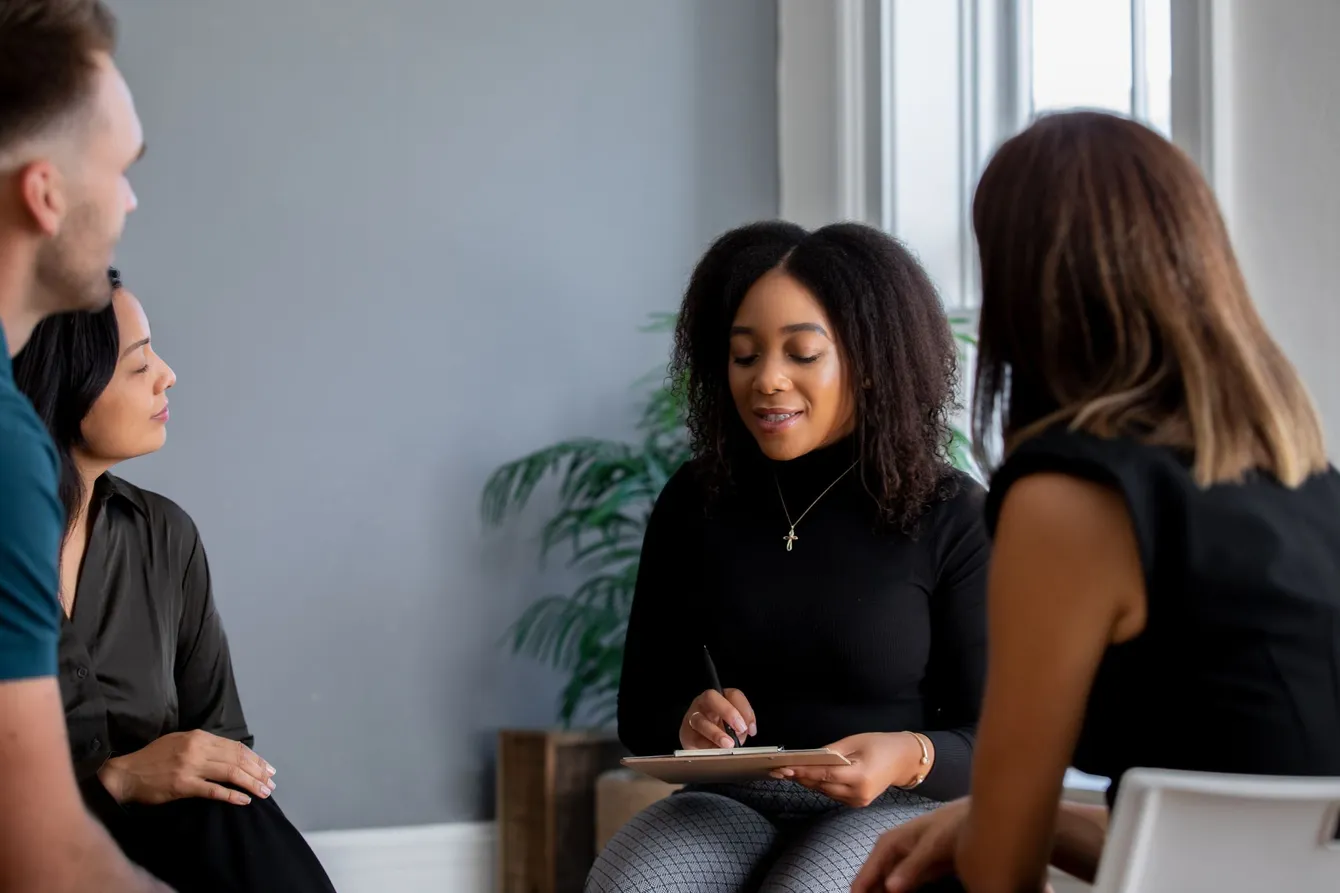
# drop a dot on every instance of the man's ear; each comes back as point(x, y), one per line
point(42, 193)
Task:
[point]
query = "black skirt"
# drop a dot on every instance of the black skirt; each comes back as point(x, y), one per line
point(210, 846)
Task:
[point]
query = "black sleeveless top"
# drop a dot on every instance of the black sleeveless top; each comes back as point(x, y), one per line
point(1238, 667)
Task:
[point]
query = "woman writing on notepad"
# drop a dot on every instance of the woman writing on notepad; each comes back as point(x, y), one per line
point(823, 549)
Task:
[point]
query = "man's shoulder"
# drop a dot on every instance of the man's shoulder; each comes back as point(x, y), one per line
point(25, 446)
point(31, 525)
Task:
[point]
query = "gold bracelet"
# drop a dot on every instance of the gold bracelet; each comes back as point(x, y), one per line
point(925, 762)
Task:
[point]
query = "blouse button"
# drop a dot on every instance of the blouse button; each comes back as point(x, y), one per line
point(95, 744)
point(82, 672)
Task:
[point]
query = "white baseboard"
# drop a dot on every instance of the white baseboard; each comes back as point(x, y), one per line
point(452, 858)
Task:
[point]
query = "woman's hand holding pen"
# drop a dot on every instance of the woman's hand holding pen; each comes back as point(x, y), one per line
point(879, 761)
point(188, 764)
point(705, 722)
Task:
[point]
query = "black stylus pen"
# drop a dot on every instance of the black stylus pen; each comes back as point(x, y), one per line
point(716, 686)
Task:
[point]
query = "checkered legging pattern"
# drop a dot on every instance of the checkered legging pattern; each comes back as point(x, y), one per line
point(762, 837)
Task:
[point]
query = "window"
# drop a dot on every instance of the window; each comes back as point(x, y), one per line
point(890, 109)
point(1105, 54)
point(1051, 55)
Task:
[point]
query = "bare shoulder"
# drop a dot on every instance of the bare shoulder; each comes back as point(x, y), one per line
point(1068, 544)
point(1063, 508)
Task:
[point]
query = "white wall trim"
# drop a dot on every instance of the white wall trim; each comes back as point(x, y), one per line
point(876, 123)
point(853, 85)
point(1202, 110)
point(889, 108)
point(809, 100)
point(457, 857)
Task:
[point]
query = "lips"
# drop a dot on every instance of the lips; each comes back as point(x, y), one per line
point(161, 415)
point(776, 419)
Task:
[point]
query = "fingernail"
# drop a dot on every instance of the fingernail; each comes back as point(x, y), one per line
point(741, 729)
point(725, 742)
point(271, 787)
point(753, 730)
point(270, 769)
point(244, 799)
point(787, 773)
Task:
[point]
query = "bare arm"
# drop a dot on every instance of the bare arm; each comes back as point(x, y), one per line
point(1065, 582)
point(48, 841)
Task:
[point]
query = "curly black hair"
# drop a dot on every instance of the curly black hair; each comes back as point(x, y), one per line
point(890, 328)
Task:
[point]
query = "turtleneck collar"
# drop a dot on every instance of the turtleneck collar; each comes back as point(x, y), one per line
point(809, 474)
point(836, 458)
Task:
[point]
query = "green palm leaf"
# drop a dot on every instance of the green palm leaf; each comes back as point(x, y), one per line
point(606, 489)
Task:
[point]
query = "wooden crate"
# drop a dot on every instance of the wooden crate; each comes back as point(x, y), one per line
point(547, 807)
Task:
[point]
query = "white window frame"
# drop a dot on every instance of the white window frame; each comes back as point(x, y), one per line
point(889, 108)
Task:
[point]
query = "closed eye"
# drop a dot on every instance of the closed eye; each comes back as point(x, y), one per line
point(143, 369)
point(752, 358)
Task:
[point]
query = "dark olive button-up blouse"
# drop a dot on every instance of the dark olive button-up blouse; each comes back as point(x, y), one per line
point(145, 653)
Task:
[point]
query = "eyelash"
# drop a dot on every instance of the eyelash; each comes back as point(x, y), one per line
point(142, 369)
point(749, 361)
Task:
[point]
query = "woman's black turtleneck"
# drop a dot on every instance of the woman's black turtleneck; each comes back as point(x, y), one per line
point(860, 628)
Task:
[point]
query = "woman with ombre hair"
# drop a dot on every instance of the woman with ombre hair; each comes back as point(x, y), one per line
point(1164, 588)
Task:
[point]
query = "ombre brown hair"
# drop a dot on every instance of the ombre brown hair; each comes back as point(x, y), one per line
point(1112, 303)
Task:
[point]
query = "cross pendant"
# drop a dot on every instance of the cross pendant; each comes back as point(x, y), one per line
point(790, 539)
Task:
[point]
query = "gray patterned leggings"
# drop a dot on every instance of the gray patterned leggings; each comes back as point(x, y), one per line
point(762, 837)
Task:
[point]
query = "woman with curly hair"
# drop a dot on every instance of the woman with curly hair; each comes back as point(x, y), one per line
point(825, 552)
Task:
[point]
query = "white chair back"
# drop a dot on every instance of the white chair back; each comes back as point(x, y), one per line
point(1200, 832)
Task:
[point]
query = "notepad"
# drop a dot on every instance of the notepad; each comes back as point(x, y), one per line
point(725, 751)
point(730, 764)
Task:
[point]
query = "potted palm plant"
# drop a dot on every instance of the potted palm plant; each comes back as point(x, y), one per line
point(605, 495)
point(606, 490)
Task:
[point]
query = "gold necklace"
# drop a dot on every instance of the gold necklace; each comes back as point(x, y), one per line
point(791, 534)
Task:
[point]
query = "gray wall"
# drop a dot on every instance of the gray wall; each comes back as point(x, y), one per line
point(1282, 197)
point(386, 247)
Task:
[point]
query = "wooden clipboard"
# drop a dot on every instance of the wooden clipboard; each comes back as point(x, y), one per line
point(722, 766)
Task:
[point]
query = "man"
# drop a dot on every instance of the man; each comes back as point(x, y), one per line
point(68, 134)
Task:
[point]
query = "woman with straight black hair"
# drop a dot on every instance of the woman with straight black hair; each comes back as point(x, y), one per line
point(160, 746)
point(822, 547)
